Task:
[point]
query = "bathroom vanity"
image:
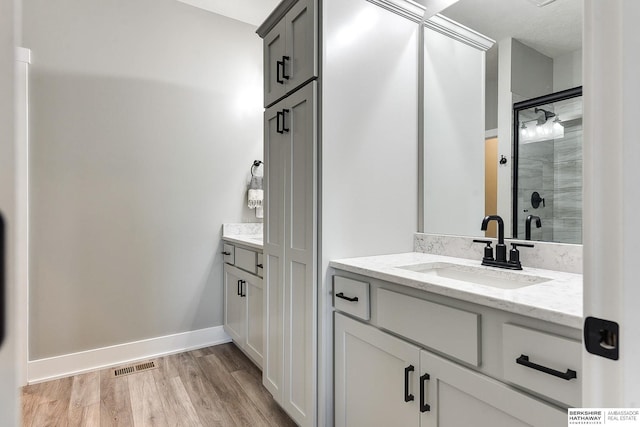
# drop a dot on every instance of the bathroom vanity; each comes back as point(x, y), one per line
point(243, 288)
point(431, 340)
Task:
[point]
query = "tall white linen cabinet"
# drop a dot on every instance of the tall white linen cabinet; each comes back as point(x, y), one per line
point(342, 145)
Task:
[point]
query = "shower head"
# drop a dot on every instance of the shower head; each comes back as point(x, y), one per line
point(547, 115)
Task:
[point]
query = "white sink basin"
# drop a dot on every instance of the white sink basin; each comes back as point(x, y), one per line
point(476, 275)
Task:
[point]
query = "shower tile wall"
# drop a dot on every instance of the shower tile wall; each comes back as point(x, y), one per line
point(554, 169)
point(567, 223)
point(536, 173)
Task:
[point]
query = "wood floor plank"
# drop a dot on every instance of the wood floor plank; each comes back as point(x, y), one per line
point(262, 399)
point(85, 389)
point(115, 403)
point(175, 401)
point(146, 408)
point(232, 358)
point(84, 416)
point(236, 402)
point(203, 396)
point(214, 386)
point(52, 413)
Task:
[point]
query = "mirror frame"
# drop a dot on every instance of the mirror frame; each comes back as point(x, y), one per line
point(517, 108)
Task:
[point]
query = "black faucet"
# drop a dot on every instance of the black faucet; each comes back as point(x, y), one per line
point(527, 226)
point(501, 248)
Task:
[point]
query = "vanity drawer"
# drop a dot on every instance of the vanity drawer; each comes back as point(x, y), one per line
point(260, 265)
point(246, 260)
point(229, 253)
point(351, 296)
point(543, 363)
point(448, 330)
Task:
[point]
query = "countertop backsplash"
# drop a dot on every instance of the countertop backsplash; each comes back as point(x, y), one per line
point(242, 229)
point(546, 255)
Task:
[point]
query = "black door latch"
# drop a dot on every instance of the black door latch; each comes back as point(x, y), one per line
point(602, 337)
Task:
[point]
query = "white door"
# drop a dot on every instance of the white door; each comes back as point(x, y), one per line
point(375, 377)
point(8, 367)
point(611, 64)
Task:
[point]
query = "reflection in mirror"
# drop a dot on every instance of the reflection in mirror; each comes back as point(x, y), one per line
point(547, 154)
point(538, 51)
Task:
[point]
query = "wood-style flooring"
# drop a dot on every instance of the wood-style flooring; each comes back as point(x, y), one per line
point(214, 386)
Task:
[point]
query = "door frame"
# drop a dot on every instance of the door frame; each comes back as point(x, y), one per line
point(611, 231)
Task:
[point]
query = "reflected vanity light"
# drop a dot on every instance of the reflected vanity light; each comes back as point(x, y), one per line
point(531, 131)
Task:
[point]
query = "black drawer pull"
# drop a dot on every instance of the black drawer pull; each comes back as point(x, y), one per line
point(259, 265)
point(524, 361)
point(424, 407)
point(238, 288)
point(408, 397)
point(341, 296)
point(285, 111)
point(279, 129)
point(284, 68)
point(226, 253)
point(243, 293)
point(279, 66)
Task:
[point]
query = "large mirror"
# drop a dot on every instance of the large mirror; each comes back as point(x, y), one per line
point(537, 53)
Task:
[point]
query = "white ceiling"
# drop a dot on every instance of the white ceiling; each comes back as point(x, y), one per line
point(253, 12)
point(552, 30)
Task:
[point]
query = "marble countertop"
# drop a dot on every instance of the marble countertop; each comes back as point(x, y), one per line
point(250, 240)
point(246, 234)
point(558, 300)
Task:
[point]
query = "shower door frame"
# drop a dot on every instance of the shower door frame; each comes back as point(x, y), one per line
point(517, 108)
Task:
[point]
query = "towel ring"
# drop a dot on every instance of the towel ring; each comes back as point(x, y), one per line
point(256, 163)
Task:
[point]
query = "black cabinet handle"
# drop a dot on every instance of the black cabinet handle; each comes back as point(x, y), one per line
point(342, 296)
point(238, 287)
point(285, 111)
point(279, 66)
point(278, 127)
point(408, 397)
point(226, 253)
point(284, 67)
point(259, 265)
point(524, 361)
point(243, 293)
point(424, 407)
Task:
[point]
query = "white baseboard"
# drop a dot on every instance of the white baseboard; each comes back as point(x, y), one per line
point(100, 358)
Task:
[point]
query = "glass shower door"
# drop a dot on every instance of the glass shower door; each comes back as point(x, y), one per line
point(547, 184)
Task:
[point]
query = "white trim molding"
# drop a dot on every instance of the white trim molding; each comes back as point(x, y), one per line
point(459, 32)
point(84, 361)
point(405, 8)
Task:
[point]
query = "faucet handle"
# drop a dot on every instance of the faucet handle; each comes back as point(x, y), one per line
point(514, 253)
point(488, 250)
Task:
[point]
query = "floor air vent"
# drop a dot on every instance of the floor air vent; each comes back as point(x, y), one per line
point(132, 369)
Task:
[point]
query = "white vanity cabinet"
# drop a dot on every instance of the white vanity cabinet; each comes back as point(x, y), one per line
point(428, 360)
point(289, 50)
point(243, 303)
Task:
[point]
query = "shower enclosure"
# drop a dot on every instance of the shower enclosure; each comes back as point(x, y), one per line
point(547, 168)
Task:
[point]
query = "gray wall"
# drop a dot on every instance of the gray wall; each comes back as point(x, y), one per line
point(8, 389)
point(145, 117)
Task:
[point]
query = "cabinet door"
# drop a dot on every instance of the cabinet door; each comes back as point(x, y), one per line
point(234, 307)
point(274, 68)
point(300, 255)
point(254, 319)
point(273, 250)
point(370, 377)
point(301, 44)
point(458, 396)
